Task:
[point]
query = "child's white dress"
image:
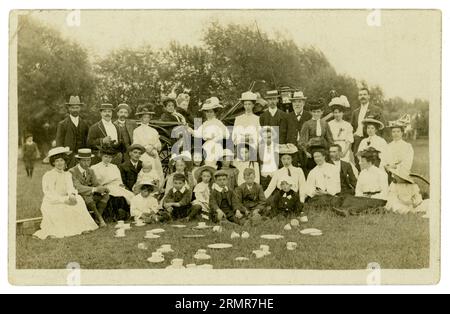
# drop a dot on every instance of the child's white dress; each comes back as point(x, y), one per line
point(404, 198)
point(202, 193)
point(140, 205)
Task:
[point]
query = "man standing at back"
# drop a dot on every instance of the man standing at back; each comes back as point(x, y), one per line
point(360, 114)
point(126, 127)
point(275, 118)
point(72, 131)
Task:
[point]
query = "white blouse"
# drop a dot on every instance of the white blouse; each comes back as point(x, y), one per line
point(376, 142)
point(298, 178)
point(246, 127)
point(57, 186)
point(325, 177)
point(147, 136)
point(342, 131)
point(400, 154)
point(372, 180)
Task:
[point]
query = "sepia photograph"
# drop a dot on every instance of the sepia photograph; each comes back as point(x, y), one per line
point(224, 147)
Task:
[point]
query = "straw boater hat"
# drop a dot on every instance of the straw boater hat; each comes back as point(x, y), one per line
point(271, 94)
point(84, 153)
point(288, 149)
point(298, 95)
point(340, 103)
point(139, 185)
point(106, 107)
point(248, 96)
point(372, 120)
point(143, 111)
point(74, 101)
point(123, 106)
point(403, 174)
point(211, 104)
point(59, 151)
point(136, 146)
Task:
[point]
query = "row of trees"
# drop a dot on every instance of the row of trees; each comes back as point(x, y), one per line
point(51, 68)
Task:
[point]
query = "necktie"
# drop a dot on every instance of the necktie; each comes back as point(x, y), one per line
point(289, 172)
point(84, 175)
point(299, 117)
point(318, 128)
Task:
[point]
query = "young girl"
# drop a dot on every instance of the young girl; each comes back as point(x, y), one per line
point(30, 153)
point(246, 160)
point(180, 168)
point(201, 193)
point(144, 206)
point(404, 194)
point(197, 163)
point(226, 166)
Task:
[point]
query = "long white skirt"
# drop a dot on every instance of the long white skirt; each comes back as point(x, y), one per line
point(61, 220)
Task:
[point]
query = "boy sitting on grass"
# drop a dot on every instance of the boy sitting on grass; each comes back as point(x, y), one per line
point(250, 197)
point(178, 199)
point(287, 202)
point(222, 202)
point(144, 206)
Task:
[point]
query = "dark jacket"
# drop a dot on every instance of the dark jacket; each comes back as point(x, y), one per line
point(280, 120)
point(253, 199)
point(129, 173)
point(97, 133)
point(130, 125)
point(68, 135)
point(373, 110)
point(348, 179)
point(289, 203)
point(295, 126)
point(83, 185)
point(215, 198)
point(309, 131)
point(184, 198)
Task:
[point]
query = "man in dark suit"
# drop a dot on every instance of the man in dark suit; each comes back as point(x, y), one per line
point(106, 134)
point(360, 114)
point(275, 118)
point(95, 196)
point(347, 173)
point(129, 170)
point(296, 120)
point(126, 126)
point(72, 131)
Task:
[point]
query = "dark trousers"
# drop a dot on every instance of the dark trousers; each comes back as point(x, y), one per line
point(356, 142)
point(29, 167)
point(180, 212)
point(96, 203)
point(117, 209)
point(265, 181)
point(362, 205)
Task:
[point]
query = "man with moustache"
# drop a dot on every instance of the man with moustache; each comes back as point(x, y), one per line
point(360, 114)
point(276, 118)
point(72, 131)
point(105, 134)
point(126, 127)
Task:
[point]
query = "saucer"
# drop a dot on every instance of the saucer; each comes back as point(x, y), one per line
point(178, 226)
point(202, 256)
point(310, 230)
point(158, 230)
point(220, 246)
point(241, 259)
point(156, 260)
point(193, 236)
point(272, 236)
point(152, 236)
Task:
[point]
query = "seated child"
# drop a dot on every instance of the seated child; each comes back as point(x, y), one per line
point(148, 174)
point(226, 164)
point(222, 202)
point(250, 197)
point(144, 206)
point(404, 194)
point(197, 163)
point(181, 167)
point(201, 193)
point(178, 199)
point(288, 201)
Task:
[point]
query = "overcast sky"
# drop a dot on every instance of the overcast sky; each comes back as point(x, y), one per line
point(402, 55)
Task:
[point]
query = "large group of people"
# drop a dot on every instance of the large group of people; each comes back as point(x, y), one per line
point(280, 162)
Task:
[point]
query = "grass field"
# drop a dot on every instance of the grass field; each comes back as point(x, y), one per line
point(392, 241)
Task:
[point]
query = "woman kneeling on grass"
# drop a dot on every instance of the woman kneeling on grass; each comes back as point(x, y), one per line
point(64, 211)
point(371, 189)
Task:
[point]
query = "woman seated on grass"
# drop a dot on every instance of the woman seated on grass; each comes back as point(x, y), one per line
point(371, 189)
point(64, 212)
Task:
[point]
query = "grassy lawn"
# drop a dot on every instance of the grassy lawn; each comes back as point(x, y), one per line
point(392, 241)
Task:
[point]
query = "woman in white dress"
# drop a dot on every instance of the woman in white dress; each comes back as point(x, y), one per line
point(372, 126)
point(341, 130)
point(213, 132)
point(64, 212)
point(246, 126)
point(148, 137)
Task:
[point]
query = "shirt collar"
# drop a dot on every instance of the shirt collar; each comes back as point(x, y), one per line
point(81, 169)
point(219, 189)
point(74, 118)
point(181, 191)
point(106, 122)
point(273, 111)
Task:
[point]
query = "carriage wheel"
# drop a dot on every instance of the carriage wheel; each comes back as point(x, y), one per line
point(164, 156)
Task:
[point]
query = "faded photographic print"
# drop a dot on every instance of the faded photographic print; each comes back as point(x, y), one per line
point(224, 147)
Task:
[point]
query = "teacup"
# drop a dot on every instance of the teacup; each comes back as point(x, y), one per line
point(157, 255)
point(217, 229)
point(295, 223)
point(259, 253)
point(120, 233)
point(166, 246)
point(245, 235)
point(177, 262)
point(142, 246)
point(264, 248)
point(304, 219)
point(288, 227)
point(201, 251)
point(120, 223)
point(202, 224)
point(235, 235)
point(148, 233)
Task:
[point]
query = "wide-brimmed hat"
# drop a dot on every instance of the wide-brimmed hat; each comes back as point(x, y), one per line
point(107, 150)
point(374, 121)
point(144, 110)
point(198, 172)
point(84, 153)
point(248, 96)
point(123, 106)
point(58, 151)
point(369, 152)
point(403, 174)
point(106, 107)
point(211, 104)
point(298, 95)
point(340, 103)
point(136, 146)
point(317, 104)
point(315, 144)
point(396, 124)
point(288, 149)
point(271, 94)
point(74, 101)
point(184, 155)
point(139, 185)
